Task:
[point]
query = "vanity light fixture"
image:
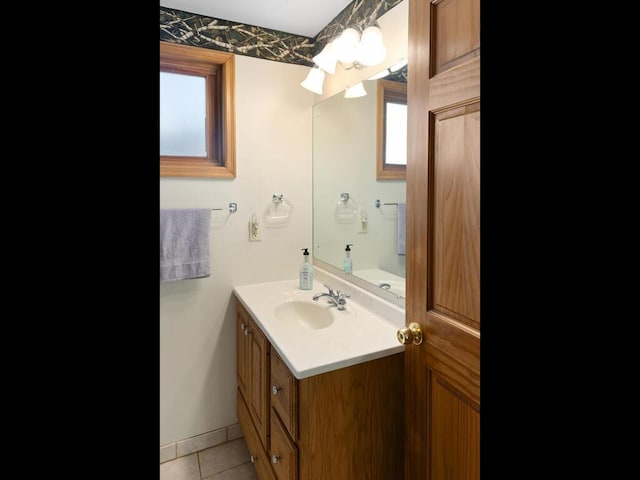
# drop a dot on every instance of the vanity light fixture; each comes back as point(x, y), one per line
point(351, 49)
point(314, 81)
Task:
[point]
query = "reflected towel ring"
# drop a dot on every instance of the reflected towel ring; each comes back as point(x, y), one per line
point(378, 203)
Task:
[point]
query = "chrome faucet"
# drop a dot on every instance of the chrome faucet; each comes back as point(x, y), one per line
point(337, 298)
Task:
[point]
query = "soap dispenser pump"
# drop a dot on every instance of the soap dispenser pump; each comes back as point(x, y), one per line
point(348, 266)
point(306, 272)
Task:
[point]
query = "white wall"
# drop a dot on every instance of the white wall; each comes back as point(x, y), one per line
point(197, 317)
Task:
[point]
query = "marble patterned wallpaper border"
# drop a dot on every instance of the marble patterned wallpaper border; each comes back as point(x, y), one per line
point(177, 26)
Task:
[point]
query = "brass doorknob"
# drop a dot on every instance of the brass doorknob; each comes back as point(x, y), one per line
point(410, 334)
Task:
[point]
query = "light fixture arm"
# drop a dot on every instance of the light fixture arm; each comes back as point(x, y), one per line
point(355, 64)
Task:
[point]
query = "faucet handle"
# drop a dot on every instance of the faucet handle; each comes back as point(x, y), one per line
point(341, 302)
point(330, 289)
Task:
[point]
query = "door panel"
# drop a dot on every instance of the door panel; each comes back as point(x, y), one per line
point(455, 428)
point(456, 230)
point(456, 30)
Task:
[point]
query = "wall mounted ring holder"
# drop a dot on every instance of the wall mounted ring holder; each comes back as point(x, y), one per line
point(278, 212)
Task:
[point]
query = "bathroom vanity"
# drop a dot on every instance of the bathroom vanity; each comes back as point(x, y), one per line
point(320, 392)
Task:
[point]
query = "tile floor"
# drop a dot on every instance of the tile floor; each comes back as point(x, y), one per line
point(218, 455)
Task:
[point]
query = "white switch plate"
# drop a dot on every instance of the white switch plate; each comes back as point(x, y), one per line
point(255, 234)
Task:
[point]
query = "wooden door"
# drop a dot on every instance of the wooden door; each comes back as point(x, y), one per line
point(442, 396)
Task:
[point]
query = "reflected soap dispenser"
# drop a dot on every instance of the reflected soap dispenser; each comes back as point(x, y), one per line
point(306, 272)
point(348, 265)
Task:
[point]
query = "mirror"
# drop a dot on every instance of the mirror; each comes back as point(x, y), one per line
point(351, 205)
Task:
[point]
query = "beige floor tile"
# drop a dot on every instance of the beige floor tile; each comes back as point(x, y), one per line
point(182, 468)
point(223, 457)
point(168, 452)
point(234, 431)
point(201, 442)
point(246, 471)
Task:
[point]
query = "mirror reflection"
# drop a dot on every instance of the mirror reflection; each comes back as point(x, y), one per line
point(351, 204)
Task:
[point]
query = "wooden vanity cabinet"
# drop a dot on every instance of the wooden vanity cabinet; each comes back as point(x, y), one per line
point(346, 424)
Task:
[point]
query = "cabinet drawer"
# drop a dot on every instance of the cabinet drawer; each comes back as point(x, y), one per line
point(258, 456)
point(283, 452)
point(284, 394)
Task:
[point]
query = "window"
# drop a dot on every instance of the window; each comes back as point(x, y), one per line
point(197, 118)
point(391, 163)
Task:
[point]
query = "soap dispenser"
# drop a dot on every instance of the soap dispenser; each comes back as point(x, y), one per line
point(306, 272)
point(348, 266)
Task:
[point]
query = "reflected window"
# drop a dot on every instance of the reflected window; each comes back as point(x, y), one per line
point(391, 161)
point(395, 135)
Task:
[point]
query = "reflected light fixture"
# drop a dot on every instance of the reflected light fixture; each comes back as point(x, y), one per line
point(351, 49)
point(389, 70)
point(354, 91)
point(378, 75)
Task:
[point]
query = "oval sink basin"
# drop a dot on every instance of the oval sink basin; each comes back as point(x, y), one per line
point(310, 315)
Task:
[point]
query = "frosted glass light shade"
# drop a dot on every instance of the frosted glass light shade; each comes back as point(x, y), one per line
point(326, 59)
point(314, 80)
point(346, 45)
point(371, 34)
point(354, 91)
point(371, 50)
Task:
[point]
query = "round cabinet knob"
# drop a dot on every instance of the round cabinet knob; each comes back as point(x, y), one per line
point(246, 332)
point(253, 459)
point(275, 389)
point(275, 458)
point(410, 334)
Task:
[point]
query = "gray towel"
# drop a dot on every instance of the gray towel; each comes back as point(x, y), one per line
point(402, 229)
point(184, 243)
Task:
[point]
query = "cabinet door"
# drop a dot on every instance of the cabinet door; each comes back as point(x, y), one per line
point(253, 352)
point(258, 399)
point(258, 455)
point(242, 350)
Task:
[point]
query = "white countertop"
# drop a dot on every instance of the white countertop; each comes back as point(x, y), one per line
point(366, 330)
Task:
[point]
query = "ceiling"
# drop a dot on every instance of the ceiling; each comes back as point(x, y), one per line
point(301, 17)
